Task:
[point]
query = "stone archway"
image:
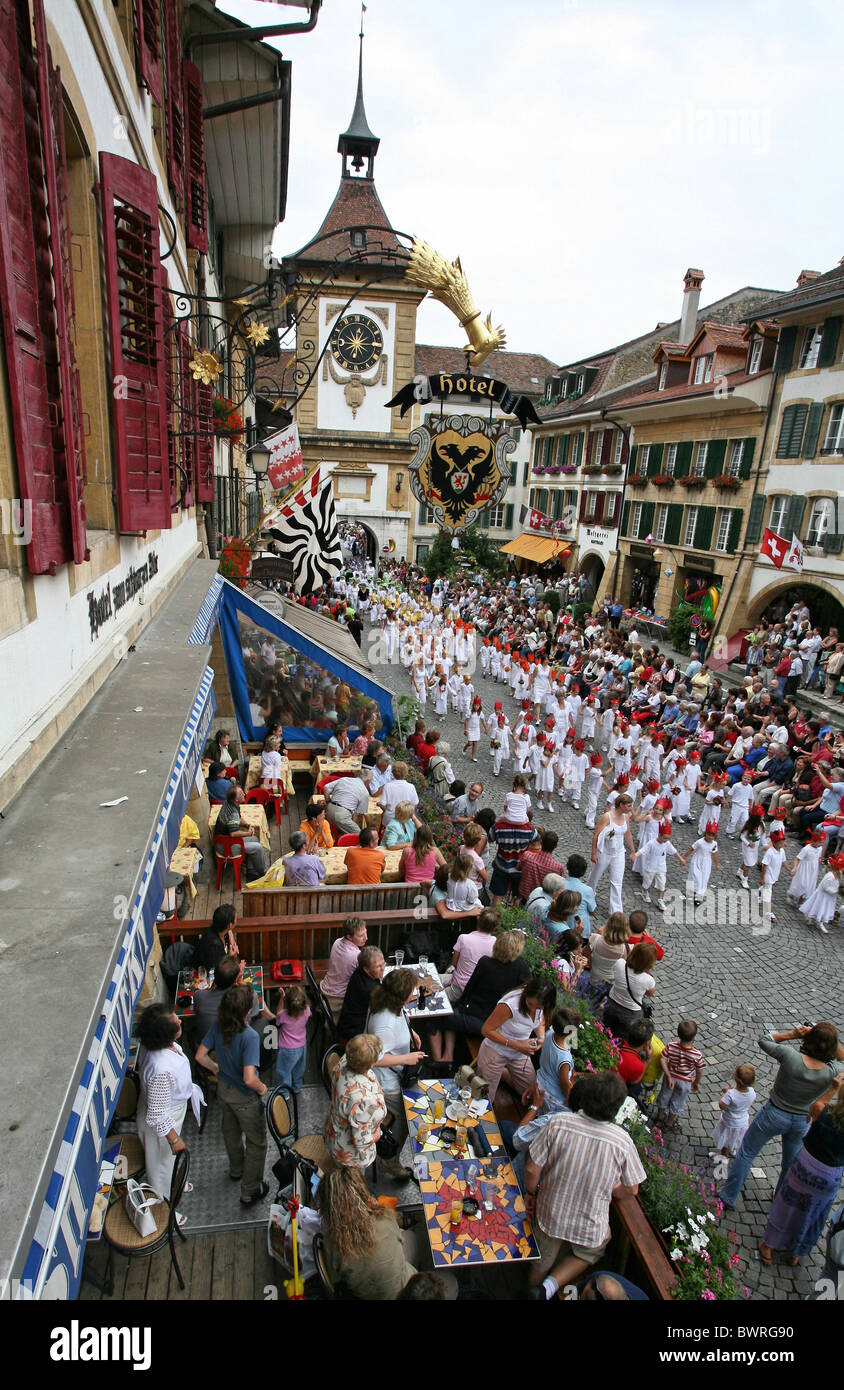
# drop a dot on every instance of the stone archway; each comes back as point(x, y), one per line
point(592, 566)
point(824, 600)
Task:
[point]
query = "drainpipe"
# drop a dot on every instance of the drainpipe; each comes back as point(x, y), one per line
point(268, 31)
point(277, 93)
point(722, 607)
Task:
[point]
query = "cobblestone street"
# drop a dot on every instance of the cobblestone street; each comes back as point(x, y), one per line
point(737, 984)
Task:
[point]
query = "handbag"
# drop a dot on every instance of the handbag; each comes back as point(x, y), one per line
point(646, 1006)
point(388, 1145)
point(139, 1200)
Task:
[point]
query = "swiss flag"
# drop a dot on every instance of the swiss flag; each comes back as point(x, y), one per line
point(774, 547)
point(535, 519)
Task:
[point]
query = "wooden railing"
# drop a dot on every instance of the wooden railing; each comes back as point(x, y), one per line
point(637, 1251)
point(337, 900)
point(309, 937)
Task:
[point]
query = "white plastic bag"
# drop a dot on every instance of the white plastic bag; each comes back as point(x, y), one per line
point(139, 1200)
point(280, 1238)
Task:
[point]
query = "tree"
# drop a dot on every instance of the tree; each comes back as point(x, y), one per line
point(440, 562)
point(476, 545)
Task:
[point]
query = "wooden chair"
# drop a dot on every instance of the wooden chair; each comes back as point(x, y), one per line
point(122, 1236)
point(326, 1284)
point(321, 1010)
point(330, 1063)
point(127, 1101)
point(131, 1159)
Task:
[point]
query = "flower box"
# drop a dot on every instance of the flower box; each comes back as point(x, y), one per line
point(637, 480)
point(726, 480)
point(228, 423)
point(614, 469)
point(539, 470)
point(568, 468)
point(663, 480)
point(590, 469)
point(691, 480)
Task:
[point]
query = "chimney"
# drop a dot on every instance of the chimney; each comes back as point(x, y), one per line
point(806, 277)
point(692, 282)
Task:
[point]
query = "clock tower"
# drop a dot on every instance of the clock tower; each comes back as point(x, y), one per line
point(356, 330)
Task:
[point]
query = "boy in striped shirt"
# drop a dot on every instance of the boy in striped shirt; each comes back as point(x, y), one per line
point(682, 1065)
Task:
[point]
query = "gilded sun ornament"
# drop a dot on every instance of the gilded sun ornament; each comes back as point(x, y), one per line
point(257, 333)
point(205, 367)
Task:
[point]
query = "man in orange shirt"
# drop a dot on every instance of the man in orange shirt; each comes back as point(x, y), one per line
point(365, 862)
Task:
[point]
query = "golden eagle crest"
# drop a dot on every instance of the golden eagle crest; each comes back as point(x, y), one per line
point(460, 467)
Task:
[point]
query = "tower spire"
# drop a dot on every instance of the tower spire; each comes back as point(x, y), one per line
point(358, 145)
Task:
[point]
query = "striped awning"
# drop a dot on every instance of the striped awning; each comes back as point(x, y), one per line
point(537, 548)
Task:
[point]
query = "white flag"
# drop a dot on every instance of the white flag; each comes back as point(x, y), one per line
point(794, 558)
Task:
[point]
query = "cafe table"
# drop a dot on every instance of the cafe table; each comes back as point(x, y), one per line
point(437, 1004)
point(326, 767)
point(184, 861)
point(253, 975)
point(336, 871)
point(252, 818)
point(493, 1225)
point(373, 814)
point(253, 774)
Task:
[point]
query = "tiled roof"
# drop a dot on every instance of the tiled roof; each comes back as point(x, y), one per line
point(523, 371)
point(722, 335)
point(828, 286)
point(588, 405)
point(356, 204)
point(672, 349)
point(683, 389)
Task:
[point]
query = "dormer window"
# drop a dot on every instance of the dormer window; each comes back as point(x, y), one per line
point(702, 369)
point(581, 382)
point(663, 373)
point(358, 238)
point(755, 356)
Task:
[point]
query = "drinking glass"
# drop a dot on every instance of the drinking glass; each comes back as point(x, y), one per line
point(399, 959)
point(423, 964)
point(456, 1211)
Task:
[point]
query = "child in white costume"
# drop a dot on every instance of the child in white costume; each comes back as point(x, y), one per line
point(594, 782)
point(770, 868)
point(439, 693)
point(734, 1106)
point(587, 721)
point(521, 753)
point(575, 774)
point(820, 906)
point(711, 809)
point(498, 730)
point(608, 719)
point(752, 841)
point(465, 695)
point(486, 657)
point(472, 728)
point(545, 774)
point(654, 860)
point(704, 851)
point(804, 875)
point(740, 797)
point(454, 683)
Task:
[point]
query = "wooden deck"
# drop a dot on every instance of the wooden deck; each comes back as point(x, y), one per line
point(227, 1265)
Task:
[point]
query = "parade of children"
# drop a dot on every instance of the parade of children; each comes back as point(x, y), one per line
point(569, 717)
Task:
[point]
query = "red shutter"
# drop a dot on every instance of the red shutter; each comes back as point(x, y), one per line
point(175, 107)
point(582, 511)
point(133, 292)
point(625, 450)
point(190, 442)
point(55, 175)
point(172, 379)
point(196, 209)
point(606, 439)
point(590, 440)
point(203, 409)
point(26, 300)
point(599, 506)
point(148, 39)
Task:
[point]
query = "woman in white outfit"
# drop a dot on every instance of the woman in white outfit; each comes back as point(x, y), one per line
point(612, 832)
point(167, 1088)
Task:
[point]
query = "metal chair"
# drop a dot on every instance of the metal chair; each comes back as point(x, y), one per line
point(122, 1236)
point(326, 1284)
point(127, 1101)
point(131, 1160)
point(330, 1063)
point(321, 1010)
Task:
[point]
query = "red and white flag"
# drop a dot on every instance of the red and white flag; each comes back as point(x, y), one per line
point(775, 547)
point(286, 464)
point(536, 519)
point(794, 558)
point(306, 526)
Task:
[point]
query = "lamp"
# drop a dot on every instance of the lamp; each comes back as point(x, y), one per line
point(399, 481)
point(259, 459)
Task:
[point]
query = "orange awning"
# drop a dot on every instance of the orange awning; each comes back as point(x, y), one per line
point(537, 548)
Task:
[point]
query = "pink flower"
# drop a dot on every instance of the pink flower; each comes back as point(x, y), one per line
point(707, 1293)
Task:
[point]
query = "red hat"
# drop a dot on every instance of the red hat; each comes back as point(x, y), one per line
point(720, 777)
point(694, 756)
point(777, 833)
point(634, 768)
point(507, 648)
point(836, 861)
point(528, 716)
point(486, 641)
point(816, 837)
point(496, 642)
point(590, 700)
point(595, 760)
point(664, 802)
point(711, 828)
point(622, 780)
point(502, 720)
point(664, 827)
point(677, 741)
point(780, 813)
point(498, 707)
point(652, 785)
point(553, 673)
point(681, 762)
point(579, 745)
point(550, 722)
point(569, 735)
point(525, 704)
point(757, 809)
point(624, 725)
point(477, 703)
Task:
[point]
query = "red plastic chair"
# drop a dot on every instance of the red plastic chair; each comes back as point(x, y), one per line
point(332, 777)
point(231, 772)
point(346, 840)
point(278, 792)
point(228, 849)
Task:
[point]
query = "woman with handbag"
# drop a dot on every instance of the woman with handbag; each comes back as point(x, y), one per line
point(167, 1088)
point(399, 1049)
point(632, 989)
point(357, 1109)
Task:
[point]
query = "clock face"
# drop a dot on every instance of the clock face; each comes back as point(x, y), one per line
point(356, 343)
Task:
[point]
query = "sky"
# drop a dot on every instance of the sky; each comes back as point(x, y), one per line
point(579, 155)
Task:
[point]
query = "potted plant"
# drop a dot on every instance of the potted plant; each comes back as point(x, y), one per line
point(638, 480)
point(662, 480)
point(236, 561)
point(726, 480)
point(692, 480)
point(228, 423)
point(614, 468)
point(568, 468)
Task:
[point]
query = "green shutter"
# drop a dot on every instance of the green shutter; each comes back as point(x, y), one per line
point(715, 458)
point(703, 530)
point(537, 449)
point(735, 530)
point(832, 543)
point(557, 504)
point(829, 341)
point(508, 516)
point(674, 524)
point(785, 350)
point(633, 452)
point(625, 517)
point(791, 431)
point(548, 455)
point(747, 458)
point(684, 459)
point(647, 521)
point(484, 521)
point(794, 517)
point(755, 518)
point(422, 513)
point(526, 473)
point(563, 448)
point(655, 460)
point(813, 430)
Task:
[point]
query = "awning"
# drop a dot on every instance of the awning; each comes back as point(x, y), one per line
point(536, 548)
